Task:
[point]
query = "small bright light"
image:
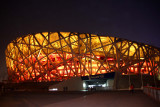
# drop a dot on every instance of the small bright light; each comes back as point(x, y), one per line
point(53, 89)
point(91, 86)
point(98, 57)
point(84, 85)
point(104, 85)
point(84, 90)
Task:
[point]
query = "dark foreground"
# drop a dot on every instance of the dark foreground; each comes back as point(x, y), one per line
point(77, 99)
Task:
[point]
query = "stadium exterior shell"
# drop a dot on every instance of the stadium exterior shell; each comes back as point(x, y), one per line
point(57, 56)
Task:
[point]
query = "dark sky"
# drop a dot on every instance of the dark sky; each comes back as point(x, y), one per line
point(136, 20)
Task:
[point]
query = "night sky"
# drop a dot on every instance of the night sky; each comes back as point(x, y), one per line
point(137, 20)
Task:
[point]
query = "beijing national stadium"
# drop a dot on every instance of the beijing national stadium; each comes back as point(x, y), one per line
point(80, 61)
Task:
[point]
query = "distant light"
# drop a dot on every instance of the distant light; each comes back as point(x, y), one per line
point(142, 58)
point(91, 86)
point(131, 68)
point(135, 64)
point(123, 73)
point(84, 90)
point(53, 89)
point(110, 59)
point(104, 85)
point(84, 85)
point(98, 57)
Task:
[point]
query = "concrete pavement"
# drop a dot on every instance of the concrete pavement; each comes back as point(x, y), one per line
point(77, 99)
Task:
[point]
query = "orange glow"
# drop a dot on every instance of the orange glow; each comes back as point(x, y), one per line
point(54, 56)
point(37, 73)
point(123, 73)
point(132, 69)
point(136, 69)
point(60, 68)
point(51, 75)
point(150, 73)
point(103, 71)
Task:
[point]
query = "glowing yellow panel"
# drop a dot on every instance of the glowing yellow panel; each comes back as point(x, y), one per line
point(65, 34)
point(107, 48)
point(125, 45)
point(45, 34)
point(141, 53)
point(53, 37)
point(19, 39)
point(118, 44)
point(10, 46)
point(99, 51)
point(105, 40)
point(93, 35)
point(157, 58)
point(56, 44)
point(111, 39)
point(95, 42)
point(63, 43)
point(135, 45)
point(27, 38)
point(132, 50)
point(82, 35)
point(39, 38)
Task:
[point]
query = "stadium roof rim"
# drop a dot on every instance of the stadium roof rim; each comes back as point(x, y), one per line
point(33, 33)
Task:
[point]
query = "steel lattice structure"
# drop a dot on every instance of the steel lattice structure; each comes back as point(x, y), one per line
point(55, 56)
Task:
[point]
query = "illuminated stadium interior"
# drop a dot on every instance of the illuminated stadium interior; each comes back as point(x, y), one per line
point(57, 56)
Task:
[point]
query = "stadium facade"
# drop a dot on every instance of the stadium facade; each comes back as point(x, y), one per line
point(59, 56)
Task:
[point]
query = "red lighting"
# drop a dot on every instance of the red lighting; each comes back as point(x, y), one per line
point(132, 69)
point(110, 59)
point(150, 73)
